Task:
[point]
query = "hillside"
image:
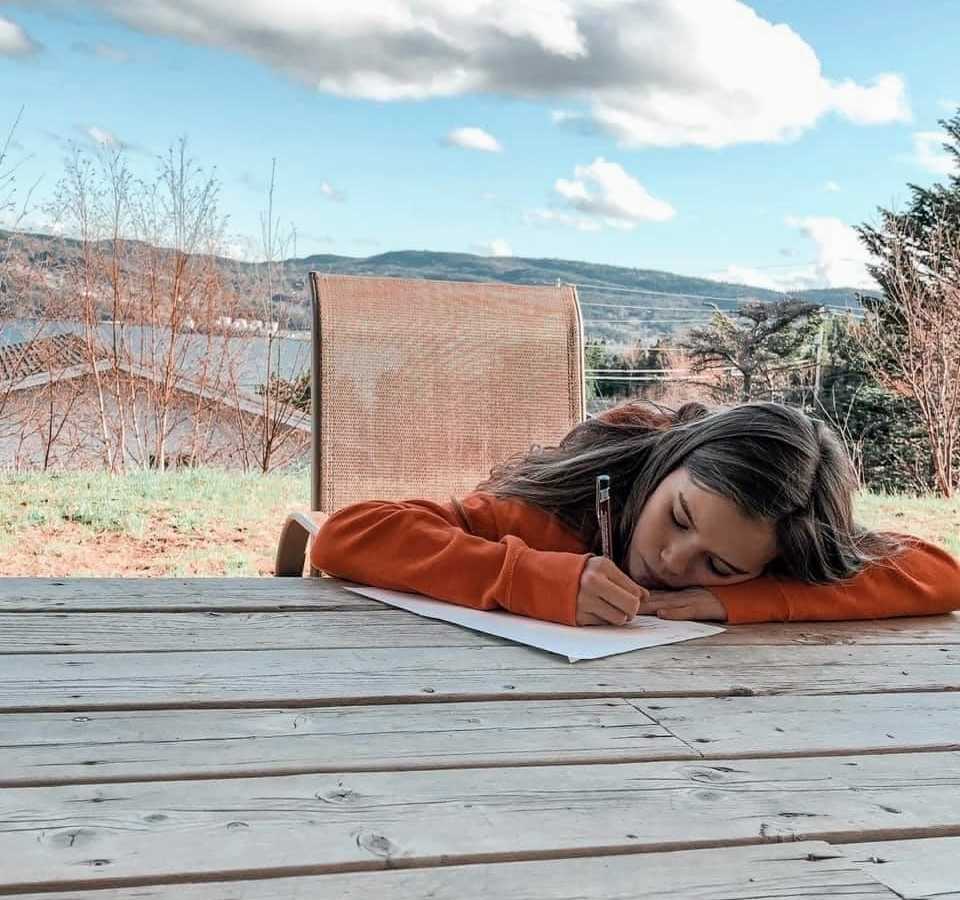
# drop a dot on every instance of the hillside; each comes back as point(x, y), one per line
point(633, 299)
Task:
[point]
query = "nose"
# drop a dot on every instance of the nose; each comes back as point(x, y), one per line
point(675, 559)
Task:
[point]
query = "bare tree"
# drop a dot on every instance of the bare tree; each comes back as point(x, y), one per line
point(147, 285)
point(269, 440)
point(912, 335)
point(179, 291)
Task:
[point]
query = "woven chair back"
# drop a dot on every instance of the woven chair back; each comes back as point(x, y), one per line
point(421, 387)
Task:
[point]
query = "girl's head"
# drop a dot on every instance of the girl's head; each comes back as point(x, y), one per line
point(705, 498)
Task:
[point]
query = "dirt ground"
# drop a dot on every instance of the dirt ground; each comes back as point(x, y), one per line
point(72, 550)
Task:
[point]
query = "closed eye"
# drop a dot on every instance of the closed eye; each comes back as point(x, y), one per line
point(711, 565)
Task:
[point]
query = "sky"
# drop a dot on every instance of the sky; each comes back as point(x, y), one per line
point(717, 138)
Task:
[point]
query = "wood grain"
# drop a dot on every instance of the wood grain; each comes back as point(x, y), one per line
point(217, 629)
point(800, 725)
point(61, 748)
point(38, 682)
point(807, 870)
point(311, 824)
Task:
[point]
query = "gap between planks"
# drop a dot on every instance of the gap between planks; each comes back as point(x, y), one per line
point(298, 703)
point(425, 862)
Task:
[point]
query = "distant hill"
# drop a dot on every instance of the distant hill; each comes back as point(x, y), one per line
point(620, 303)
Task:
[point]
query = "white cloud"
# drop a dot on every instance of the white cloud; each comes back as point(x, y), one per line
point(649, 72)
point(332, 193)
point(496, 247)
point(928, 152)
point(474, 139)
point(101, 136)
point(831, 186)
point(841, 261)
point(884, 101)
point(793, 280)
point(606, 195)
point(14, 41)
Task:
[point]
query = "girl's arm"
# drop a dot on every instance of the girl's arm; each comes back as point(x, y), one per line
point(922, 580)
point(500, 553)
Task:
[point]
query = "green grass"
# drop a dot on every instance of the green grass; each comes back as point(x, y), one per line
point(932, 518)
point(216, 522)
point(189, 500)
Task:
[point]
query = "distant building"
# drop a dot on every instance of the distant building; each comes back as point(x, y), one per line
point(54, 415)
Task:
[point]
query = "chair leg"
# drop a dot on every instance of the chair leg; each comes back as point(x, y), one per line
point(292, 549)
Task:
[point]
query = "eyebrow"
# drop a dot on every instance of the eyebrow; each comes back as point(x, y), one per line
point(686, 510)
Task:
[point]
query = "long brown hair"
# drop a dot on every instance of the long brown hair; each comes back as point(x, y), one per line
point(774, 461)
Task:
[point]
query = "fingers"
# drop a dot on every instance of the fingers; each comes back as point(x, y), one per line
point(624, 581)
point(607, 596)
point(604, 613)
point(614, 614)
point(615, 587)
point(677, 613)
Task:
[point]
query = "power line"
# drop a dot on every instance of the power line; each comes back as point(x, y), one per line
point(614, 322)
point(854, 310)
point(634, 306)
point(626, 290)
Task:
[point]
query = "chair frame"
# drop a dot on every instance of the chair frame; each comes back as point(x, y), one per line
point(299, 528)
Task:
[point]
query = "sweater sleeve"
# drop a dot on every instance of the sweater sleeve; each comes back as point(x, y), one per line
point(489, 553)
point(922, 580)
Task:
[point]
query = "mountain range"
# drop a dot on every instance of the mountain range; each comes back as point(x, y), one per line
point(621, 304)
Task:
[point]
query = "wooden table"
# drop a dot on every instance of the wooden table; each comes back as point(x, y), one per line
point(282, 738)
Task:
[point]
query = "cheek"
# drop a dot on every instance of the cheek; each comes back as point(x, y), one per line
point(642, 540)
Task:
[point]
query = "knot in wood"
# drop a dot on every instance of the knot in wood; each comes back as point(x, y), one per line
point(710, 775)
point(377, 844)
point(339, 795)
point(73, 837)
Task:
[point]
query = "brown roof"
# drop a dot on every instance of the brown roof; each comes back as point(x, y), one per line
point(52, 354)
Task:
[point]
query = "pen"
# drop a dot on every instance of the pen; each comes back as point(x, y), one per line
point(603, 515)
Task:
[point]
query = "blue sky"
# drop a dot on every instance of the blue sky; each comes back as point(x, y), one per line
point(718, 139)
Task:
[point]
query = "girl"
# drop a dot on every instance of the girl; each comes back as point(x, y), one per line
point(742, 514)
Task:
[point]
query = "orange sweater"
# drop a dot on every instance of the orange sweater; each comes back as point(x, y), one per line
point(512, 555)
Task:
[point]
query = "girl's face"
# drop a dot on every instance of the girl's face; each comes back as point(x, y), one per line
point(689, 537)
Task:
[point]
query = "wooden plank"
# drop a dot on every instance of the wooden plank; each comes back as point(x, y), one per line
point(915, 870)
point(219, 630)
point(808, 870)
point(62, 748)
point(68, 632)
point(940, 630)
point(75, 681)
point(801, 725)
point(176, 594)
point(328, 595)
point(313, 824)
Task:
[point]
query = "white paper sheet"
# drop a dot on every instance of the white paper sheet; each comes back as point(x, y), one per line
point(574, 643)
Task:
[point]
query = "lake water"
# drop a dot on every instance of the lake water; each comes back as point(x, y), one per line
point(291, 355)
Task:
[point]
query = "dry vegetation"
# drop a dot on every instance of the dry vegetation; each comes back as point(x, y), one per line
point(211, 522)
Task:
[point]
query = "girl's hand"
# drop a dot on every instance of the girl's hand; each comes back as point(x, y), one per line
point(607, 595)
point(690, 603)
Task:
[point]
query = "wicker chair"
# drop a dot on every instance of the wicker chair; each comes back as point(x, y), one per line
point(420, 387)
